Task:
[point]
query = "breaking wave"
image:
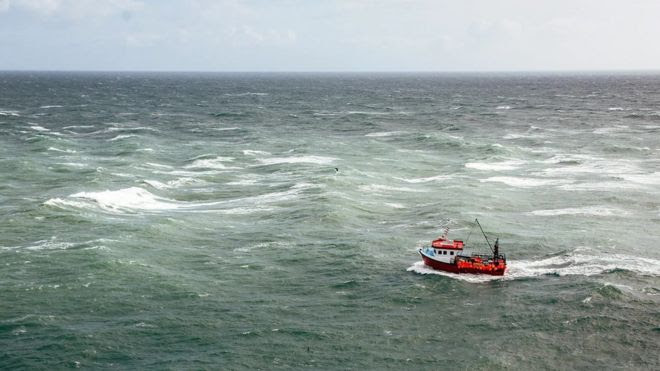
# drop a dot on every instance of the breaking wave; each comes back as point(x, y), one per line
point(122, 136)
point(426, 179)
point(38, 128)
point(251, 152)
point(212, 163)
point(136, 200)
point(127, 199)
point(495, 166)
point(526, 182)
point(385, 188)
point(589, 210)
point(384, 134)
point(9, 113)
point(320, 160)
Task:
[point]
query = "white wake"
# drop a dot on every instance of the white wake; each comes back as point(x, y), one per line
point(575, 263)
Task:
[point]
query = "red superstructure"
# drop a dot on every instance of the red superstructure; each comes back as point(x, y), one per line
point(447, 255)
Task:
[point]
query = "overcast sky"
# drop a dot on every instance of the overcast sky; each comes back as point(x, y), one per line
point(330, 35)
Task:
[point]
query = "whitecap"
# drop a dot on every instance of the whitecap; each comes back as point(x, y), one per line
point(386, 188)
point(427, 179)
point(156, 184)
point(127, 199)
point(612, 129)
point(495, 166)
point(38, 128)
point(54, 244)
point(588, 210)
point(250, 152)
point(384, 134)
point(601, 186)
point(177, 183)
point(161, 166)
point(648, 179)
point(122, 128)
point(320, 160)
point(375, 113)
point(243, 182)
point(526, 182)
point(9, 113)
point(503, 107)
point(616, 109)
point(122, 136)
point(61, 150)
point(259, 94)
point(569, 158)
point(245, 210)
point(78, 127)
point(51, 106)
point(593, 165)
point(212, 163)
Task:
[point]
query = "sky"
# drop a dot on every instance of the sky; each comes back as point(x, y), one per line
point(330, 35)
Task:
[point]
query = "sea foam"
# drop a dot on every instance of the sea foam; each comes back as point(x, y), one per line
point(426, 179)
point(526, 182)
point(588, 210)
point(386, 188)
point(495, 166)
point(212, 163)
point(320, 160)
point(384, 134)
point(122, 200)
point(9, 113)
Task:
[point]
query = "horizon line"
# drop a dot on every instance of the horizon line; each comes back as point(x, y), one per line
point(541, 71)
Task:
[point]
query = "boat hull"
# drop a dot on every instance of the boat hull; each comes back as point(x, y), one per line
point(464, 267)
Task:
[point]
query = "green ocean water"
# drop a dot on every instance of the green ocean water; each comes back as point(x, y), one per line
point(197, 221)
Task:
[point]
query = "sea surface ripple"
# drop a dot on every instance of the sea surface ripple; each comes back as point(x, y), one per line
point(272, 221)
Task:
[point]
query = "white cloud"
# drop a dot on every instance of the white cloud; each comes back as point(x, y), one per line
point(4, 5)
point(248, 35)
point(42, 7)
point(75, 9)
point(142, 39)
point(332, 34)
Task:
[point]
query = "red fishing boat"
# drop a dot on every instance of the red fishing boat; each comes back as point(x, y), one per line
point(447, 255)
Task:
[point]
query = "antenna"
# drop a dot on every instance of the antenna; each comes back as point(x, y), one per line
point(445, 233)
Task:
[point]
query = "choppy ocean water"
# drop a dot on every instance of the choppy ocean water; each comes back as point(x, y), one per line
point(197, 220)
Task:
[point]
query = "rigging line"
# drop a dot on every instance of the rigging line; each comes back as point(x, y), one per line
point(468, 237)
point(484, 233)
